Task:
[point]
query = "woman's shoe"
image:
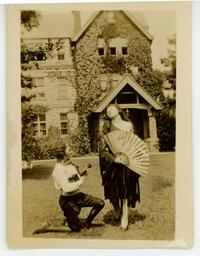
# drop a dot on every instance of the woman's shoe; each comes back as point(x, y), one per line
point(124, 228)
point(117, 215)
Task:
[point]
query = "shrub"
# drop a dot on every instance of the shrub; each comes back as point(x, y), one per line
point(166, 125)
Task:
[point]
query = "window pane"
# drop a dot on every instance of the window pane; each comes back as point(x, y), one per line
point(42, 117)
point(35, 126)
point(42, 133)
point(141, 99)
point(124, 50)
point(43, 126)
point(125, 98)
point(63, 125)
point(40, 81)
point(63, 116)
point(61, 56)
point(41, 95)
point(62, 81)
point(101, 51)
point(35, 118)
point(112, 50)
point(35, 133)
point(63, 131)
point(62, 93)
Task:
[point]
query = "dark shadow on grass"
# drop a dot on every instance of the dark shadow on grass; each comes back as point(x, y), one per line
point(47, 227)
point(134, 216)
point(37, 172)
point(108, 218)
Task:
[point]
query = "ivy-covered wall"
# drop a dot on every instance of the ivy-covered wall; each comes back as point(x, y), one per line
point(89, 65)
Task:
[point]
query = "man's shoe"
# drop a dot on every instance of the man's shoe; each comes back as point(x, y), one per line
point(87, 225)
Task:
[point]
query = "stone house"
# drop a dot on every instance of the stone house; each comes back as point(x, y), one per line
point(108, 60)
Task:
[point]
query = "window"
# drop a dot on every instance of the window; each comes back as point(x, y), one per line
point(127, 95)
point(62, 88)
point(63, 123)
point(61, 81)
point(124, 50)
point(39, 89)
point(41, 95)
point(40, 125)
point(40, 81)
point(113, 50)
point(101, 51)
point(61, 56)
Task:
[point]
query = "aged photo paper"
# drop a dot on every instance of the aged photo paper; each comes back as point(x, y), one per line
point(66, 63)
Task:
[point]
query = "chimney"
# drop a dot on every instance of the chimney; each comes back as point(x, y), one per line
point(77, 21)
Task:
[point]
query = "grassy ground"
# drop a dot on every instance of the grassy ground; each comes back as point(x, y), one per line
point(152, 219)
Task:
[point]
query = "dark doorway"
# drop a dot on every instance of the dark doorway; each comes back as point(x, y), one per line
point(93, 128)
point(137, 118)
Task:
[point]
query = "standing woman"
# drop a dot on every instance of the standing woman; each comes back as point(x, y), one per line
point(121, 185)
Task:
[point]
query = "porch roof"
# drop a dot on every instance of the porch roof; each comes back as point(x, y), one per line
point(127, 80)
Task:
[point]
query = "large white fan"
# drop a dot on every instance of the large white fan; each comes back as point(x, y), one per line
point(132, 147)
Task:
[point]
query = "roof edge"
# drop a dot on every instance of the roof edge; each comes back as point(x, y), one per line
point(120, 86)
point(90, 20)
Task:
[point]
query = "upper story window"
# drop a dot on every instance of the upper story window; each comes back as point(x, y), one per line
point(113, 50)
point(117, 46)
point(127, 95)
point(101, 51)
point(40, 125)
point(61, 56)
point(62, 88)
point(40, 95)
point(39, 89)
point(124, 51)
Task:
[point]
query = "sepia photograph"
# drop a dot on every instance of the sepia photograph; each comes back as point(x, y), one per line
point(96, 125)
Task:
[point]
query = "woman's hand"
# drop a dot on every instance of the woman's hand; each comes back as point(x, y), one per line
point(121, 159)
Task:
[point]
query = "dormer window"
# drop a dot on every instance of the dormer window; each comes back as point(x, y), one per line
point(113, 50)
point(124, 51)
point(101, 51)
point(61, 56)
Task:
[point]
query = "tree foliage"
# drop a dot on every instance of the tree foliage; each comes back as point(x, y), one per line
point(30, 19)
point(166, 119)
point(29, 114)
point(170, 61)
point(29, 111)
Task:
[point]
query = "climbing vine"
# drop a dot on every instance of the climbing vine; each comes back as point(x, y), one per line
point(89, 65)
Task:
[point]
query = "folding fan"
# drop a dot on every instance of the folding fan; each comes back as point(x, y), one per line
point(134, 149)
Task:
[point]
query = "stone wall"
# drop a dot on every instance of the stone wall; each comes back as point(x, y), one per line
point(58, 88)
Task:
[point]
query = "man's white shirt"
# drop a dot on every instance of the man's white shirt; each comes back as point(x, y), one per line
point(62, 174)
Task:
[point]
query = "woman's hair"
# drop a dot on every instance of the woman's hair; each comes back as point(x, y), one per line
point(121, 112)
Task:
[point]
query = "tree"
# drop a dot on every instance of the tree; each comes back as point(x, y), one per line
point(30, 19)
point(29, 111)
point(166, 119)
point(170, 61)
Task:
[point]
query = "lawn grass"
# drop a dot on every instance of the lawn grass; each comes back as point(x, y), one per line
point(152, 219)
